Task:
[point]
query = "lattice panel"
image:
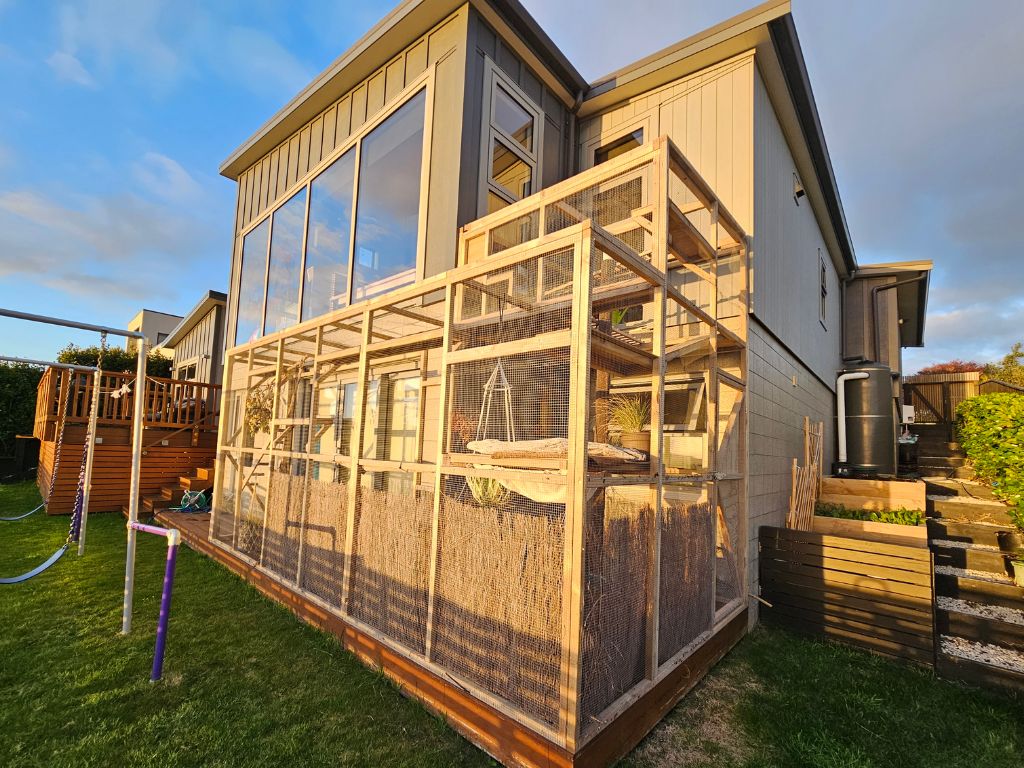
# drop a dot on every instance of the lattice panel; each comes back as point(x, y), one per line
point(616, 556)
point(391, 561)
point(687, 570)
point(498, 609)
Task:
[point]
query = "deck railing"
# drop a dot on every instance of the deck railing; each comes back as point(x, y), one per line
point(169, 403)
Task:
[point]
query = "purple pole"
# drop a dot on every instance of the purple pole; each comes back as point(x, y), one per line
point(173, 539)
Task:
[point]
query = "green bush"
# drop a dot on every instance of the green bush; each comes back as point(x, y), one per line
point(114, 359)
point(991, 431)
point(901, 516)
point(17, 403)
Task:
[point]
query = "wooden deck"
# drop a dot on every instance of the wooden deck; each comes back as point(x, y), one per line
point(179, 435)
point(493, 731)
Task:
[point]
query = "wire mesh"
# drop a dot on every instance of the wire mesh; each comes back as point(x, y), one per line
point(391, 558)
point(685, 608)
point(498, 604)
point(615, 588)
point(251, 510)
point(222, 527)
point(515, 232)
point(323, 545)
point(279, 548)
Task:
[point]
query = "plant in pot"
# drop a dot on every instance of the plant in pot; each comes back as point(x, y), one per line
point(488, 492)
point(631, 414)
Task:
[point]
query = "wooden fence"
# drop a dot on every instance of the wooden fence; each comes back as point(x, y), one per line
point(935, 396)
point(867, 594)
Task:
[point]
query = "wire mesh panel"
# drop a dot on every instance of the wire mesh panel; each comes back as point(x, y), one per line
point(322, 561)
point(251, 507)
point(730, 463)
point(498, 595)
point(685, 608)
point(617, 532)
point(279, 550)
point(391, 558)
point(222, 526)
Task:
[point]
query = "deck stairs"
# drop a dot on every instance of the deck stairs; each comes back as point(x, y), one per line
point(979, 612)
point(170, 495)
point(937, 456)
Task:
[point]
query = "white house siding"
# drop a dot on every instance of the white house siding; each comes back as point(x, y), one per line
point(787, 244)
point(776, 410)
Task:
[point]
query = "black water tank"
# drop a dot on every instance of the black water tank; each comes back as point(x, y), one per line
point(870, 422)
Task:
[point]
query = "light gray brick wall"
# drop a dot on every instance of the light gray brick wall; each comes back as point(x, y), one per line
point(776, 410)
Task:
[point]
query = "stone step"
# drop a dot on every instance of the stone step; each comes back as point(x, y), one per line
point(967, 488)
point(979, 624)
point(967, 509)
point(979, 663)
point(940, 461)
point(972, 533)
point(977, 590)
point(973, 558)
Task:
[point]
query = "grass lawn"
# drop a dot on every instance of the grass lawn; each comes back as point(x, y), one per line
point(247, 684)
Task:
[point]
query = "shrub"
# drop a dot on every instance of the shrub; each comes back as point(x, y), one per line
point(991, 430)
point(114, 359)
point(17, 403)
point(901, 516)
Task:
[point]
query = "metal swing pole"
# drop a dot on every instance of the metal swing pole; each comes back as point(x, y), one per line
point(133, 494)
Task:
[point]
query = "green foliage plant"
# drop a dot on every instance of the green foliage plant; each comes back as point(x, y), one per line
point(900, 516)
point(991, 432)
point(115, 358)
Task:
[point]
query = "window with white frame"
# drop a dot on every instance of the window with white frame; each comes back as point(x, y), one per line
point(511, 142)
point(823, 272)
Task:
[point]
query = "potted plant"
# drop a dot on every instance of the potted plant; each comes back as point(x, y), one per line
point(1013, 540)
point(1017, 561)
point(488, 492)
point(631, 414)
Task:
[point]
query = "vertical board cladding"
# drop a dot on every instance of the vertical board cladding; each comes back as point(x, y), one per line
point(274, 177)
point(708, 115)
point(776, 414)
point(859, 323)
point(787, 244)
point(202, 346)
point(555, 159)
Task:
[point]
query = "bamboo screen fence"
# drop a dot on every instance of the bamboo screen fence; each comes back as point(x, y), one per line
point(440, 465)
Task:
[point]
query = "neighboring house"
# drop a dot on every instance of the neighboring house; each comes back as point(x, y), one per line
point(410, 274)
point(197, 342)
point(155, 326)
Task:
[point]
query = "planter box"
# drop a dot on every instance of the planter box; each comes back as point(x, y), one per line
point(873, 494)
point(887, 533)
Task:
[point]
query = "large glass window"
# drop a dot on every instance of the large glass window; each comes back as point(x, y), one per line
point(515, 121)
point(285, 264)
point(249, 322)
point(388, 202)
point(327, 241)
point(620, 146)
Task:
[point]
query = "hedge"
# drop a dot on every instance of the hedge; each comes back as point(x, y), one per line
point(991, 432)
point(17, 403)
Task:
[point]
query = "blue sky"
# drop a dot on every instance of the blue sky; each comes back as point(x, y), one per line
point(116, 116)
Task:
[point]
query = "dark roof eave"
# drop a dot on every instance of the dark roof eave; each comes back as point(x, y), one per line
point(209, 299)
point(787, 47)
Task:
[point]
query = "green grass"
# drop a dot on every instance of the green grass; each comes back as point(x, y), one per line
point(247, 684)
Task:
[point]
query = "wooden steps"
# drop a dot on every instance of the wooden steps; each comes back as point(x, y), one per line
point(170, 495)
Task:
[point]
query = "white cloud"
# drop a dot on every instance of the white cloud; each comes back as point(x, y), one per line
point(166, 179)
point(69, 69)
point(255, 60)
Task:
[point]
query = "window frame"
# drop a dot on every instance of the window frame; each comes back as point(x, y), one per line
point(490, 132)
point(423, 82)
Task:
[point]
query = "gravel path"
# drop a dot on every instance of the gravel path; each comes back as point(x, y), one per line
point(998, 612)
point(987, 654)
point(970, 573)
point(963, 545)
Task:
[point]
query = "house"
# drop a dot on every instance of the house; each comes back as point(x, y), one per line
point(197, 342)
point(464, 281)
point(155, 326)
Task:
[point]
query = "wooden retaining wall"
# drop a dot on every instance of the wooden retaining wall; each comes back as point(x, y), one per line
point(872, 595)
point(161, 465)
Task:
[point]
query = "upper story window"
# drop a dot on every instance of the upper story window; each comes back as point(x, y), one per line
point(619, 146)
point(823, 279)
point(510, 160)
point(358, 236)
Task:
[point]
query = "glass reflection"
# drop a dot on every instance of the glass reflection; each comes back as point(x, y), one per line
point(327, 241)
point(285, 264)
point(250, 290)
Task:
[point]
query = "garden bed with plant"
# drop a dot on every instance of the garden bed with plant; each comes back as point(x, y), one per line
point(890, 526)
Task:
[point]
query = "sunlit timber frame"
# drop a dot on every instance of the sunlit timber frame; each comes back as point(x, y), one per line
point(541, 292)
point(425, 83)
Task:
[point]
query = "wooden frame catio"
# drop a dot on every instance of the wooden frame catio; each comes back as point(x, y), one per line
point(435, 468)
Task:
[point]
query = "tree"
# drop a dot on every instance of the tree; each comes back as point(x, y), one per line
point(953, 366)
point(17, 403)
point(114, 359)
point(1010, 369)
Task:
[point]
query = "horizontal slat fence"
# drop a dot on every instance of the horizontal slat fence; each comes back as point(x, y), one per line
point(867, 594)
